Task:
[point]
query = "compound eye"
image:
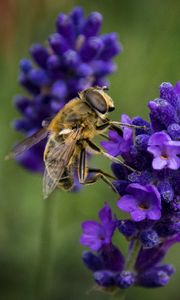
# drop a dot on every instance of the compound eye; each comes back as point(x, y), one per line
point(96, 100)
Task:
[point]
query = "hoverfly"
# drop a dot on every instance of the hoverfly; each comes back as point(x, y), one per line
point(70, 135)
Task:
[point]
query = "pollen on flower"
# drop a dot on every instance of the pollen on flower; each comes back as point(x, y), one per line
point(144, 206)
point(164, 156)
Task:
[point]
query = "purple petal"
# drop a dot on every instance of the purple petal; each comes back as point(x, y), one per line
point(155, 150)
point(155, 195)
point(159, 163)
point(126, 119)
point(111, 147)
point(113, 135)
point(174, 163)
point(138, 215)
point(154, 214)
point(136, 187)
point(89, 241)
point(137, 190)
point(127, 131)
point(91, 227)
point(159, 138)
point(105, 214)
point(127, 203)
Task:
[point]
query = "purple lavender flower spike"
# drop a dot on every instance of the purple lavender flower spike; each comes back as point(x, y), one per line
point(151, 197)
point(165, 151)
point(77, 57)
point(96, 235)
point(142, 202)
point(119, 145)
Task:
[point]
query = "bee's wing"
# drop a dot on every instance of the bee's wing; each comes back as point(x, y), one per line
point(56, 160)
point(28, 143)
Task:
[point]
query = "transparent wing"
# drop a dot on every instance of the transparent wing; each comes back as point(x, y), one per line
point(56, 160)
point(28, 143)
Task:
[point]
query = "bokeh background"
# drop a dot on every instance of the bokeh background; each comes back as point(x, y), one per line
point(150, 34)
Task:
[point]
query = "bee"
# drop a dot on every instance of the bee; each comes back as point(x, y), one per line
point(69, 138)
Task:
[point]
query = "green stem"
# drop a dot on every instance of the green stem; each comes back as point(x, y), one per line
point(119, 295)
point(44, 268)
point(133, 255)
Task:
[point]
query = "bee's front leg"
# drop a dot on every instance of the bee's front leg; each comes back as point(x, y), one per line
point(109, 125)
point(97, 150)
point(117, 126)
point(121, 124)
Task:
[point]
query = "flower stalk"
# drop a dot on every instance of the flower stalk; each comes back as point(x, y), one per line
point(44, 265)
point(133, 255)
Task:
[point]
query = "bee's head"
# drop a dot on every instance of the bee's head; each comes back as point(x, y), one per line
point(98, 99)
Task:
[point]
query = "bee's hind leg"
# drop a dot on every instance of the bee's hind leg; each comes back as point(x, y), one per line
point(82, 166)
point(84, 173)
point(99, 174)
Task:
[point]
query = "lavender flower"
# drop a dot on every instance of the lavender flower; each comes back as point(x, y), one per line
point(110, 270)
point(150, 196)
point(143, 202)
point(119, 145)
point(97, 235)
point(77, 57)
point(165, 151)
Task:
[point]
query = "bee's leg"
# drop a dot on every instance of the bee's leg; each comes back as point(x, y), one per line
point(95, 170)
point(107, 125)
point(82, 168)
point(83, 173)
point(98, 150)
point(99, 174)
point(104, 136)
point(121, 124)
point(114, 126)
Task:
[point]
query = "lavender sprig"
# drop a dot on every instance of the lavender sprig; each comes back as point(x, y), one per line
point(76, 57)
point(151, 197)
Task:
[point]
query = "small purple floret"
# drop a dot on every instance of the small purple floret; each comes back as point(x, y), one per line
point(118, 145)
point(165, 151)
point(96, 235)
point(142, 202)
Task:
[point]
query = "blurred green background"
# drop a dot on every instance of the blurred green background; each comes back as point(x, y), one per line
point(150, 34)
